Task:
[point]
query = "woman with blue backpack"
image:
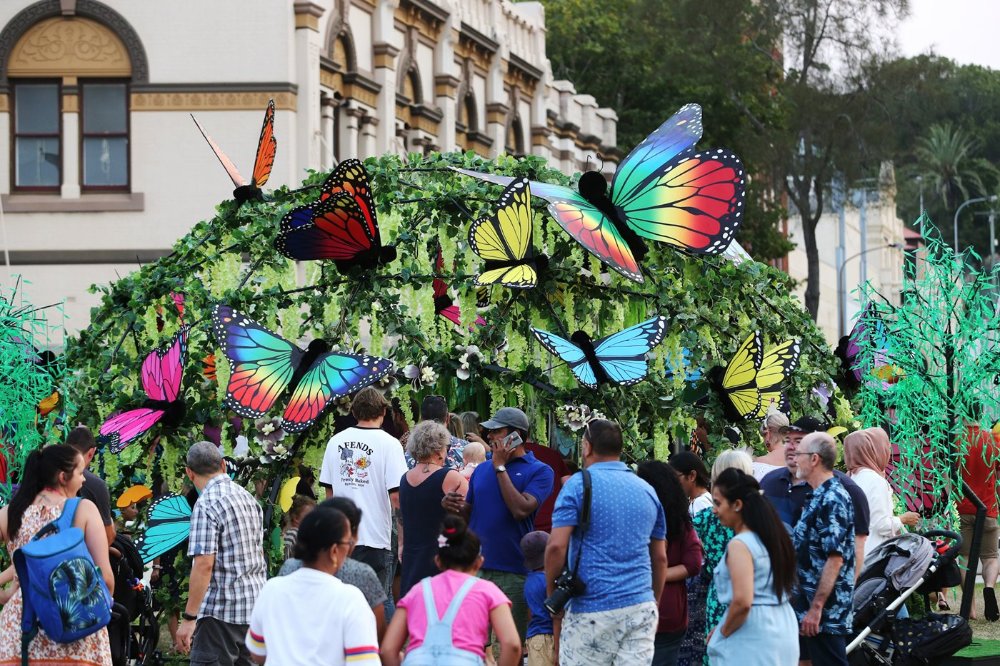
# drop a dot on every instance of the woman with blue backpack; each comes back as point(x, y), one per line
point(447, 617)
point(63, 604)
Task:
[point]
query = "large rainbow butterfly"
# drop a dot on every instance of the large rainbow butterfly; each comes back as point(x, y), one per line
point(503, 239)
point(161, 374)
point(443, 305)
point(267, 145)
point(754, 380)
point(340, 225)
point(264, 366)
point(663, 190)
point(618, 358)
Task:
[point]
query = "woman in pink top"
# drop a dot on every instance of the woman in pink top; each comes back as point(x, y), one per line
point(481, 605)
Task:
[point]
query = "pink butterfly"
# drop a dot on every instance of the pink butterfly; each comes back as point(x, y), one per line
point(443, 305)
point(161, 375)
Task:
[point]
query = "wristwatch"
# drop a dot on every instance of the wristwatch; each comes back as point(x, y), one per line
point(501, 468)
point(187, 616)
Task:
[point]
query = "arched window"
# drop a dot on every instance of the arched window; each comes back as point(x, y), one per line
point(515, 137)
point(69, 77)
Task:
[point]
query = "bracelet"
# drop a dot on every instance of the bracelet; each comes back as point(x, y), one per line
point(187, 616)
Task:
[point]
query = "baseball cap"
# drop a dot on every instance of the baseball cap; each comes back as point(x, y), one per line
point(807, 424)
point(533, 546)
point(507, 417)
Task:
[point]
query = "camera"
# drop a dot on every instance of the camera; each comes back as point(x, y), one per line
point(567, 587)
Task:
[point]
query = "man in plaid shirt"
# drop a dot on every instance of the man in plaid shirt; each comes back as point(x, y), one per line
point(228, 570)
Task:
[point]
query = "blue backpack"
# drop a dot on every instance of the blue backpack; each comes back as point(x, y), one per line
point(62, 589)
point(437, 648)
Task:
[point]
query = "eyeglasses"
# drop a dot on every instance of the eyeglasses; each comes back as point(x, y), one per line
point(349, 543)
point(804, 453)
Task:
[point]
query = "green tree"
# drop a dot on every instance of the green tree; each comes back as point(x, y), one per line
point(947, 162)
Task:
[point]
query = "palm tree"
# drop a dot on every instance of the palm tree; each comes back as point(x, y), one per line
point(946, 159)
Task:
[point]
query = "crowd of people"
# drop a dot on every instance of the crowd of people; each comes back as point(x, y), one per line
point(465, 542)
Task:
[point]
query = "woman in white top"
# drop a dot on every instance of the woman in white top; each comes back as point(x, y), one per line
point(310, 617)
point(773, 431)
point(866, 455)
point(694, 479)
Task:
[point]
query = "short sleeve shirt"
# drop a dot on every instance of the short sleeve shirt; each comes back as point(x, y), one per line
point(228, 522)
point(365, 465)
point(309, 617)
point(826, 528)
point(625, 515)
point(534, 596)
point(498, 530)
point(454, 458)
point(96, 490)
point(351, 572)
point(788, 496)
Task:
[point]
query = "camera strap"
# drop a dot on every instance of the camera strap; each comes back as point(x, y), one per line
point(584, 519)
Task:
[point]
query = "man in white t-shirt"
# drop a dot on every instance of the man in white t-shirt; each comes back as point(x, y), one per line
point(364, 463)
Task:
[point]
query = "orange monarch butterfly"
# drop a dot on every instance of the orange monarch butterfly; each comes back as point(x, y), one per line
point(266, 147)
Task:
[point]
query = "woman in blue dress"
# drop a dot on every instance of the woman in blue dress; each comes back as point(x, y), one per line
point(755, 579)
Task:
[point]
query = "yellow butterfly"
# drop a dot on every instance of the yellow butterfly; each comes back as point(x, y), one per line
point(504, 240)
point(754, 380)
point(772, 376)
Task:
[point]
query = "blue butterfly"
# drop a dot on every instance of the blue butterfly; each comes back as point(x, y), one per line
point(169, 525)
point(618, 358)
point(264, 366)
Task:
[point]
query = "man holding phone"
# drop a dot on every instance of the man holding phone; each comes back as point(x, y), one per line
point(501, 504)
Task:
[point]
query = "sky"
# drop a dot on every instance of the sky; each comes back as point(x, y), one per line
point(963, 30)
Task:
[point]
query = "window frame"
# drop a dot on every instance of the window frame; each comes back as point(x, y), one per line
point(127, 135)
point(59, 136)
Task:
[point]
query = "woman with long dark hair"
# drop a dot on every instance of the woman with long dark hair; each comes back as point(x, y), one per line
point(51, 476)
point(684, 558)
point(755, 579)
point(694, 479)
point(309, 616)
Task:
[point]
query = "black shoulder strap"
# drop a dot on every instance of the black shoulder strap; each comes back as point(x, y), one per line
point(584, 519)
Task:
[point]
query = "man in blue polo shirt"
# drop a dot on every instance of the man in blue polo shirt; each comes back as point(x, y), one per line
point(501, 504)
point(622, 557)
point(788, 494)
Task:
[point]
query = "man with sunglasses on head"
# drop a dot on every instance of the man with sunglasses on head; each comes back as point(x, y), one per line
point(501, 504)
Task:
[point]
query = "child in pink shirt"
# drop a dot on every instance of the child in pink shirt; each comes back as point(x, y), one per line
point(483, 605)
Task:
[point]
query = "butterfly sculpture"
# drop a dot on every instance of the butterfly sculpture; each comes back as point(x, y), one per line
point(753, 380)
point(168, 525)
point(868, 331)
point(663, 190)
point(443, 305)
point(503, 239)
point(340, 225)
point(619, 358)
point(262, 164)
point(161, 374)
point(264, 366)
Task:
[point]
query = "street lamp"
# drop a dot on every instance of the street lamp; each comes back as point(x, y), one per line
point(992, 197)
point(842, 285)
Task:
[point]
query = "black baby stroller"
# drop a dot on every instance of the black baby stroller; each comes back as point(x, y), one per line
point(134, 631)
point(895, 571)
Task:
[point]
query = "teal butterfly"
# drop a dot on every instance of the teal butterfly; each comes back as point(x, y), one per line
point(619, 358)
point(265, 365)
point(169, 525)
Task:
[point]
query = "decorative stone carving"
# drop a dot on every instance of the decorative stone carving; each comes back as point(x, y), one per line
point(69, 47)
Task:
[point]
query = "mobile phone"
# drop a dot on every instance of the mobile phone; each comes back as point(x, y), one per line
point(512, 441)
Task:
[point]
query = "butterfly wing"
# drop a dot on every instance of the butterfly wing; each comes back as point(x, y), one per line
point(331, 376)
point(623, 354)
point(506, 236)
point(570, 353)
point(777, 365)
point(266, 147)
point(227, 163)
point(120, 431)
point(262, 363)
point(333, 229)
point(169, 525)
point(739, 380)
point(676, 135)
point(162, 370)
point(351, 178)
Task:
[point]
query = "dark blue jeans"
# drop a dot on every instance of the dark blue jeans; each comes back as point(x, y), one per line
point(666, 648)
point(823, 650)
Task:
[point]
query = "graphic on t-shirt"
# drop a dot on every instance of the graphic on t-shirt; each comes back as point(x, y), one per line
point(355, 461)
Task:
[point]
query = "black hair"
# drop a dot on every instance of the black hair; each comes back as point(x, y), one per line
point(605, 437)
point(41, 470)
point(671, 494)
point(346, 506)
point(686, 462)
point(461, 548)
point(81, 439)
point(761, 519)
point(321, 529)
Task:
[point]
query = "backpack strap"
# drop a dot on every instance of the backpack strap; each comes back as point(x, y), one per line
point(456, 601)
point(65, 521)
